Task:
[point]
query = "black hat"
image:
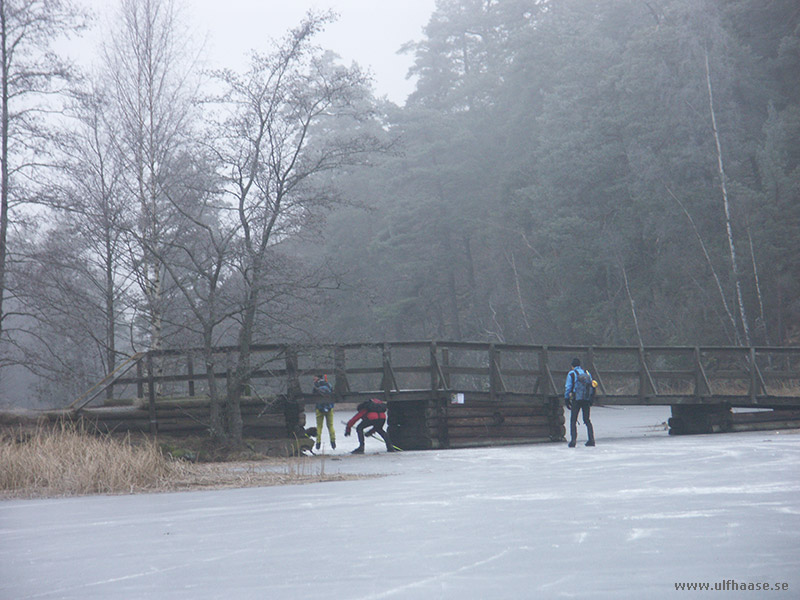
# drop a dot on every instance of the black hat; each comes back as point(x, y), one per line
point(576, 362)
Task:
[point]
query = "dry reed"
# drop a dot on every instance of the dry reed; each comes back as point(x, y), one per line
point(67, 460)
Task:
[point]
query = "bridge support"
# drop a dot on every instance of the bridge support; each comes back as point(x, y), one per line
point(700, 418)
point(443, 423)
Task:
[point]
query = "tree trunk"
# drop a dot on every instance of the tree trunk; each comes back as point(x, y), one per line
point(241, 373)
point(762, 314)
point(215, 405)
point(111, 349)
point(731, 245)
point(728, 312)
point(4, 179)
point(633, 308)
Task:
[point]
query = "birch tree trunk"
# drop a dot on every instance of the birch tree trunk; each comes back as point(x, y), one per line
point(146, 62)
point(726, 203)
point(762, 314)
point(633, 307)
point(714, 274)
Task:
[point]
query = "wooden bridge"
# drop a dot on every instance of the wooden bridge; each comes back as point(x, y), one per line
point(452, 394)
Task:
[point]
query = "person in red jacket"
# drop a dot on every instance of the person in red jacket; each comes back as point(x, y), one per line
point(371, 413)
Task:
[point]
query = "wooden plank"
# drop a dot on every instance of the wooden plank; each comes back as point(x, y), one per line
point(488, 411)
point(341, 384)
point(766, 416)
point(767, 426)
point(496, 430)
point(491, 421)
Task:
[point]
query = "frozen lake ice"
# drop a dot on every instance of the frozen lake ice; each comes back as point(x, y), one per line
point(631, 518)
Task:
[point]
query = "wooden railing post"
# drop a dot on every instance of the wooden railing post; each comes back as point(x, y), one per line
point(434, 366)
point(642, 376)
point(698, 372)
point(151, 394)
point(190, 372)
point(546, 384)
point(139, 380)
point(340, 383)
point(293, 388)
point(228, 374)
point(492, 372)
point(594, 371)
point(496, 385)
point(646, 383)
point(701, 384)
point(756, 379)
point(110, 388)
point(389, 382)
point(446, 368)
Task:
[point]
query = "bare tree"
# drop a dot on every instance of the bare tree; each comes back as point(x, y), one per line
point(276, 138)
point(78, 280)
point(150, 74)
point(65, 346)
point(31, 75)
point(92, 174)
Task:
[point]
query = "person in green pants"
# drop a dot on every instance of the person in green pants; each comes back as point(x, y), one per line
point(324, 409)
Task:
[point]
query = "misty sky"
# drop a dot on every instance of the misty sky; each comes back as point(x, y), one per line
point(367, 31)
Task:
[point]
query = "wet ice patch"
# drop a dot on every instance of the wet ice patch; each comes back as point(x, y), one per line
point(637, 534)
point(690, 514)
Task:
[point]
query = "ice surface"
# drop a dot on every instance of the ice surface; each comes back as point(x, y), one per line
point(628, 519)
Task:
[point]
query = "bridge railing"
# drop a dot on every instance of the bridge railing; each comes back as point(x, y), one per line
point(664, 375)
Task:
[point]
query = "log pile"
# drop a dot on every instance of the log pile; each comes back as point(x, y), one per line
point(174, 417)
point(716, 418)
point(766, 420)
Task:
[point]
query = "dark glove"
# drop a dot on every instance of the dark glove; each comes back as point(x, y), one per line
point(347, 432)
point(568, 404)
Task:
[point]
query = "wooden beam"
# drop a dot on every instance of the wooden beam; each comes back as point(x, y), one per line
point(151, 394)
point(701, 382)
point(340, 384)
point(595, 372)
point(190, 372)
point(107, 381)
point(646, 383)
point(434, 366)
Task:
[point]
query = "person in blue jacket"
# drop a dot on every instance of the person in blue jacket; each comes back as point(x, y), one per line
point(324, 409)
point(579, 391)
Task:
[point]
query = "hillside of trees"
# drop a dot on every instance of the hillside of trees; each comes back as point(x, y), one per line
point(566, 172)
point(562, 179)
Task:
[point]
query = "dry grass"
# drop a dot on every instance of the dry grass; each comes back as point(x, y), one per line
point(68, 461)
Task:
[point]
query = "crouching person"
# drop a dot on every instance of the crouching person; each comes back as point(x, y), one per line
point(301, 441)
point(371, 414)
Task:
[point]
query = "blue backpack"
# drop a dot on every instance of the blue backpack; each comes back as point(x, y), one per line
point(324, 389)
point(582, 385)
